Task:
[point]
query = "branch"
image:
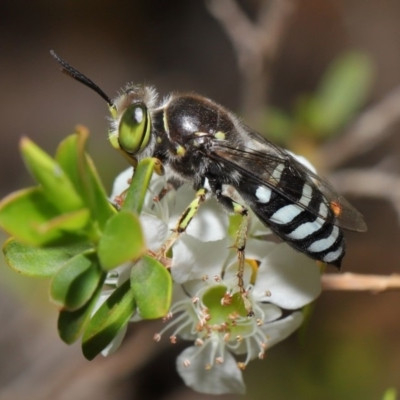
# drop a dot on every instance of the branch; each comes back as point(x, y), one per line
point(359, 282)
point(370, 128)
point(256, 45)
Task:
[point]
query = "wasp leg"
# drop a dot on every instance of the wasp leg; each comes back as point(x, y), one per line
point(240, 245)
point(184, 220)
point(241, 237)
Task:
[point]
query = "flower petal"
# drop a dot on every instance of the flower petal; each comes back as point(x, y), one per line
point(157, 183)
point(257, 228)
point(123, 273)
point(271, 312)
point(155, 231)
point(221, 378)
point(158, 208)
point(116, 342)
point(304, 161)
point(266, 313)
point(258, 249)
point(121, 183)
point(287, 278)
point(193, 259)
point(210, 224)
point(281, 329)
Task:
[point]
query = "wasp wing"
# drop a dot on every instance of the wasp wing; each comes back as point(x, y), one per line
point(257, 159)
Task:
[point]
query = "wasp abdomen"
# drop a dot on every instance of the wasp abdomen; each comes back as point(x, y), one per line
point(302, 219)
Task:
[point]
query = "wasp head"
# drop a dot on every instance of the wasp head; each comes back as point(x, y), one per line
point(130, 127)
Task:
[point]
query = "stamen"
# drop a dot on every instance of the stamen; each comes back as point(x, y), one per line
point(226, 299)
point(233, 316)
point(183, 316)
point(234, 345)
point(119, 200)
point(242, 366)
point(172, 339)
point(213, 352)
point(168, 317)
point(157, 337)
point(250, 353)
point(227, 337)
point(264, 345)
point(223, 327)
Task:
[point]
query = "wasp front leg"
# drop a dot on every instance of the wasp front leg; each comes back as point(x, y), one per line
point(241, 236)
point(184, 220)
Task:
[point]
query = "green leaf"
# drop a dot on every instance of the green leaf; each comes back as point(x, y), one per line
point(38, 261)
point(70, 156)
point(122, 240)
point(108, 320)
point(57, 186)
point(81, 171)
point(73, 221)
point(138, 188)
point(75, 283)
point(71, 324)
point(26, 214)
point(102, 208)
point(152, 287)
point(342, 91)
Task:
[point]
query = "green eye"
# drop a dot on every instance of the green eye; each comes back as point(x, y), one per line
point(134, 128)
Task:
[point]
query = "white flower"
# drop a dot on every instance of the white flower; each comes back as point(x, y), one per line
point(158, 218)
point(208, 307)
point(211, 312)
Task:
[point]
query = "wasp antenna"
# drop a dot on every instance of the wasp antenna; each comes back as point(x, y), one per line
point(78, 76)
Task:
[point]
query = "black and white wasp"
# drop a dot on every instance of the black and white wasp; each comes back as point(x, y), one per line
point(202, 143)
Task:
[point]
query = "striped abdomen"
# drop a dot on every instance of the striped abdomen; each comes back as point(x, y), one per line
point(305, 221)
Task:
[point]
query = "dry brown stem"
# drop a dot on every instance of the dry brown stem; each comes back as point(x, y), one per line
point(359, 282)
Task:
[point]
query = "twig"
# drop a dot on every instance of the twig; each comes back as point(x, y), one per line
point(370, 128)
point(359, 282)
point(256, 45)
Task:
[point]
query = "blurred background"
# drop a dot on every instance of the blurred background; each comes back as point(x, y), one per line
point(326, 55)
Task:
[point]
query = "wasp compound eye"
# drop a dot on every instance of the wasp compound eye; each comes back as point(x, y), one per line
point(134, 129)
